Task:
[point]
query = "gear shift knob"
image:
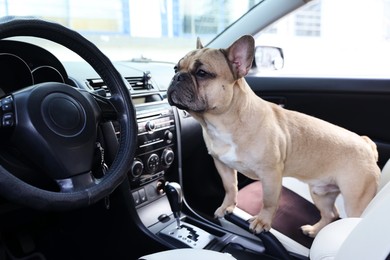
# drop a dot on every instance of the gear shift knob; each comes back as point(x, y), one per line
point(175, 198)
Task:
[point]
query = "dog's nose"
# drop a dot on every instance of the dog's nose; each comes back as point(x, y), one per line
point(179, 76)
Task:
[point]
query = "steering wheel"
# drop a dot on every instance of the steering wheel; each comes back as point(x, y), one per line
point(55, 125)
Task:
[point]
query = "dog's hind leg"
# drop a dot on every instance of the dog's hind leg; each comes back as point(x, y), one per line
point(324, 198)
point(357, 195)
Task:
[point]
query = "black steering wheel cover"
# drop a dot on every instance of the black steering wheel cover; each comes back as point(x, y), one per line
point(10, 186)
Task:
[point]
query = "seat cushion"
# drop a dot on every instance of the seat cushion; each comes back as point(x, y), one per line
point(329, 240)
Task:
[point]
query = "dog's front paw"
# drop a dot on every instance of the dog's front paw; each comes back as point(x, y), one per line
point(309, 230)
point(222, 211)
point(259, 223)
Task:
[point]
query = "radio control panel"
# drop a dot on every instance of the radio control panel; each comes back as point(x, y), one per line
point(156, 144)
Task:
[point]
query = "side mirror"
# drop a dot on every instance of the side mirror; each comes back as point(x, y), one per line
point(268, 58)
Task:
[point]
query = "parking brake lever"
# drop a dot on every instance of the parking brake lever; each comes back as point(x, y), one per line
point(175, 198)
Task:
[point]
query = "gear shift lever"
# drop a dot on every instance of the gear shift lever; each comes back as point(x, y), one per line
point(186, 233)
point(175, 198)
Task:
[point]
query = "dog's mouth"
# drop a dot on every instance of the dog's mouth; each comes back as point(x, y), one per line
point(174, 100)
point(185, 100)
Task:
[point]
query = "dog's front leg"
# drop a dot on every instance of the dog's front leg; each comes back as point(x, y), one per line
point(272, 183)
point(229, 180)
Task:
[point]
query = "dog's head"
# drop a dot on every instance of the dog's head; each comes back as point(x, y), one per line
point(205, 77)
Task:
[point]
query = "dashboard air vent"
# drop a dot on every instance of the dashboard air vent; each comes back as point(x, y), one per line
point(138, 84)
point(99, 87)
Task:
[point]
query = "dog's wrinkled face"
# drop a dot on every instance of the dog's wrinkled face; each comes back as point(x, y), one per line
point(205, 77)
point(200, 76)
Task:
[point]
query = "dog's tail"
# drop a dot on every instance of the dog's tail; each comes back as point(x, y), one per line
point(373, 146)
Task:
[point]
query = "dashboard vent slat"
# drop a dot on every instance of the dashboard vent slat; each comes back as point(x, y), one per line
point(99, 87)
point(140, 83)
point(137, 84)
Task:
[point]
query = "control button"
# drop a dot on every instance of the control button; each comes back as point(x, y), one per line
point(6, 104)
point(142, 195)
point(8, 120)
point(6, 107)
point(167, 157)
point(168, 136)
point(137, 168)
point(163, 218)
point(160, 187)
point(153, 163)
point(150, 126)
point(136, 198)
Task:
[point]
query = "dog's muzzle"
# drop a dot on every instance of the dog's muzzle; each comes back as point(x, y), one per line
point(178, 90)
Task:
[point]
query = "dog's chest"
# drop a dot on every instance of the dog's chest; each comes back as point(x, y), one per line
point(221, 145)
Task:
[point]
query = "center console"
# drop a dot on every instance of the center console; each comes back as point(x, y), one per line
point(155, 153)
point(155, 163)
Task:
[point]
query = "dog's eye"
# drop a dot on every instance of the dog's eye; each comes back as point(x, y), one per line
point(201, 73)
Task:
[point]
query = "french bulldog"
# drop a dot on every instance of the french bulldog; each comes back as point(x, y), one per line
point(246, 134)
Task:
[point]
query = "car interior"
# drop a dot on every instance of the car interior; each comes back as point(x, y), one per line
point(95, 163)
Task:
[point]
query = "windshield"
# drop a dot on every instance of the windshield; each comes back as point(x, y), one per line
point(317, 39)
point(159, 30)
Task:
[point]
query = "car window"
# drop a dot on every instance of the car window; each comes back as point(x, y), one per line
point(135, 29)
point(332, 38)
point(346, 38)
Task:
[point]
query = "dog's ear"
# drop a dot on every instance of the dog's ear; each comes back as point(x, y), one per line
point(199, 44)
point(241, 54)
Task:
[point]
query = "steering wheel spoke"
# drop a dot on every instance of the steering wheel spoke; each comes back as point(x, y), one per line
point(109, 113)
point(77, 183)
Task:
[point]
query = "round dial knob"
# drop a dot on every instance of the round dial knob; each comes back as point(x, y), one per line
point(150, 126)
point(168, 136)
point(152, 163)
point(167, 157)
point(137, 167)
